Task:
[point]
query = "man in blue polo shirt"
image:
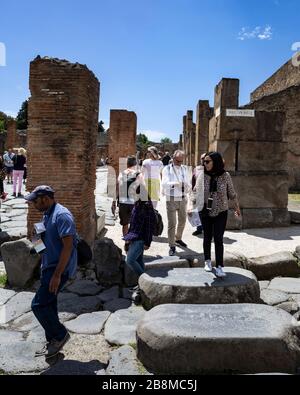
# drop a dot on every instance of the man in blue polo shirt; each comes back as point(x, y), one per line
point(57, 246)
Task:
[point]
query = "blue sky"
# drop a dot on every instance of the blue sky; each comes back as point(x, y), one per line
point(154, 57)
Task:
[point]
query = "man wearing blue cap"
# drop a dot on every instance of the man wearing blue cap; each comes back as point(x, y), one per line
point(57, 246)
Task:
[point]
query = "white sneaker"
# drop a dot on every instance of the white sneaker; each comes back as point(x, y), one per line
point(220, 272)
point(208, 266)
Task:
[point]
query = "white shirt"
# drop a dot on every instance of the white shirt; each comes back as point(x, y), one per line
point(173, 178)
point(152, 168)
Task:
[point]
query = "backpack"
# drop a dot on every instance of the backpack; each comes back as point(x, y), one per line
point(159, 226)
point(84, 252)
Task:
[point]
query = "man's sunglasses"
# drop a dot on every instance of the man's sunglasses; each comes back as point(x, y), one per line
point(206, 162)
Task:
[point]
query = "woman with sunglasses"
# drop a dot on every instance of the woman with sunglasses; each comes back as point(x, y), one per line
point(218, 189)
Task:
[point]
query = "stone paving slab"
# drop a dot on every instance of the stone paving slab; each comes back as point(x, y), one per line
point(204, 339)
point(109, 294)
point(8, 337)
point(273, 297)
point(124, 362)
point(15, 307)
point(5, 295)
point(167, 262)
point(72, 303)
point(194, 285)
point(19, 357)
point(90, 324)
point(117, 304)
point(288, 285)
point(120, 328)
point(85, 288)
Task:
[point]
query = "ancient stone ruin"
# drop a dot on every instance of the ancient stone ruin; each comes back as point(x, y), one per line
point(62, 136)
point(281, 92)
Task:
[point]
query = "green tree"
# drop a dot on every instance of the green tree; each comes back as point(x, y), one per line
point(2, 125)
point(166, 140)
point(22, 117)
point(101, 127)
point(142, 139)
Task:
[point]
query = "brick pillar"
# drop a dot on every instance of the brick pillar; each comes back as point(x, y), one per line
point(11, 138)
point(180, 145)
point(185, 139)
point(202, 129)
point(122, 136)
point(62, 136)
point(190, 127)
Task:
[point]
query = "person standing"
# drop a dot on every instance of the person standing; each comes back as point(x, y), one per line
point(166, 159)
point(218, 189)
point(151, 169)
point(58, 264)
point(176, 186)
point(3, 173)
point(128, 182)
point(139, 237)
point(18, 172)
point(198, 171)
point(9, 164)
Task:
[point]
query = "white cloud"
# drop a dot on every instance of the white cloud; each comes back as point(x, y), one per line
point(154, 135)
point(11, 113)
point(260, 33)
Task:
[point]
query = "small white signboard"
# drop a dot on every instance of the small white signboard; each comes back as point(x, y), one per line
point(240, 113)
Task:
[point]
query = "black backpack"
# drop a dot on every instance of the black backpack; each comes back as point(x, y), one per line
point(84, 252)
point(159, 226)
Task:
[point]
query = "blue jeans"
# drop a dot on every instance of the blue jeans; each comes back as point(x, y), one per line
point(44, 307)
point(135, 257)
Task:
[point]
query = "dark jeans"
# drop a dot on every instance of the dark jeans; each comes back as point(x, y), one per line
point(135, 257)
point(44, 307)
point(214, 227)
point(1, 187)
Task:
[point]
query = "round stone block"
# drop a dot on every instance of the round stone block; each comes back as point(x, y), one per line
point(216, 339)
point(195, 286)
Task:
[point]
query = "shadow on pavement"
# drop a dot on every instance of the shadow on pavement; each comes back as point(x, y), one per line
point(60, 366)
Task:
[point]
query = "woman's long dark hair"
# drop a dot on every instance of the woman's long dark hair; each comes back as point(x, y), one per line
point(218, 164)
point(217, 170)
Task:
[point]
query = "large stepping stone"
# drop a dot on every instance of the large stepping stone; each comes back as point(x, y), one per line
point(195, 286)
point(5, 295)
point(283, 264)
point(121, 326)
point(89, 324)
point(218, 339)
point(15, 307)
point(85, 288)
point(288, 285)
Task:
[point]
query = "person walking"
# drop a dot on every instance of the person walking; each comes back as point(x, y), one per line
point(198, 171)
point(151, 169)
point(18, 172)
point(57, 246)
point(128, 182)
point(218, 189)
point(9, 164)
point(176, 186)
point(139, 237)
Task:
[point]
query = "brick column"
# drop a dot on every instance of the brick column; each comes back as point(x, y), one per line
point(190, 127)
point(202, 129)
point(11, 138)
point(122, 136)
point(62, 137)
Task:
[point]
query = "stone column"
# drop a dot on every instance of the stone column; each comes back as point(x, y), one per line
point(11, 138)
point(202, 129)
point(62, 138)
point(122, 137)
